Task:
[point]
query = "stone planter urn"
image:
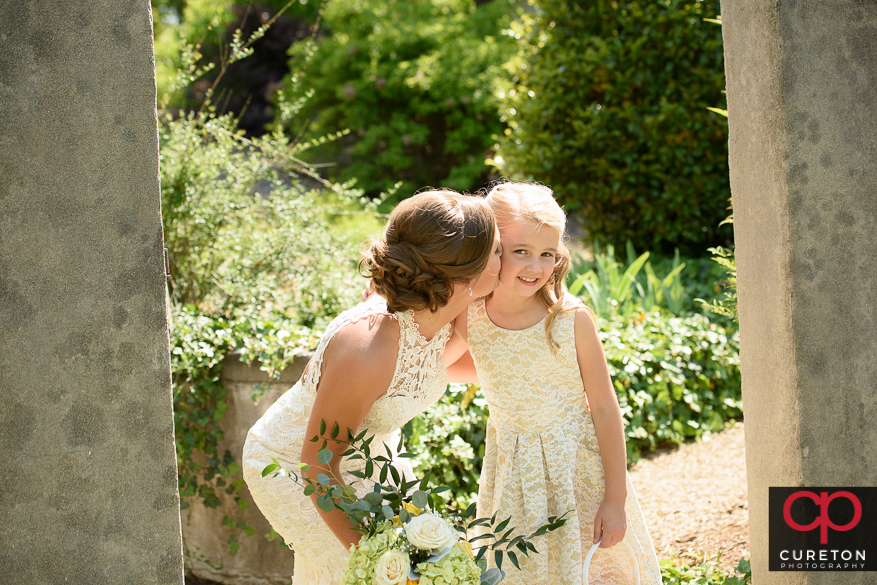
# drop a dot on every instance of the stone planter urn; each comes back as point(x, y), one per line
point(205, 538)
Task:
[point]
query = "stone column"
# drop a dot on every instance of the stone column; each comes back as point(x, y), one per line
point(802, 91)
point(88, 492)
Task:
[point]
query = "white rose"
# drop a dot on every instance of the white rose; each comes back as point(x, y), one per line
point(430, 532)
point(392, 568)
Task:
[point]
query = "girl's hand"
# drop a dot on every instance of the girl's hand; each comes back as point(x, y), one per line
point(610, 524)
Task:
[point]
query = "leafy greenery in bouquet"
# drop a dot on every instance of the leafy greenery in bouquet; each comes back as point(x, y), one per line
point(408, 536)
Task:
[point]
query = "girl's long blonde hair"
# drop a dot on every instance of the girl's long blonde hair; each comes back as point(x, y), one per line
point(512, 202)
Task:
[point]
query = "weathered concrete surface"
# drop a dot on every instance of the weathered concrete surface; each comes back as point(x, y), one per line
point(802, 87)
point(259, 561)
point(88, 492)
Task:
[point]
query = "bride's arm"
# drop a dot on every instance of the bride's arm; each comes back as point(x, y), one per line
point(357, 369)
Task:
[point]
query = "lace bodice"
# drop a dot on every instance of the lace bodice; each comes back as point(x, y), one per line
point(510, 361)
point(419, 380)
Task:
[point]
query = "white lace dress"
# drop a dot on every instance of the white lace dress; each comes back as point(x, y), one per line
point(542, 458)
point(420, 380)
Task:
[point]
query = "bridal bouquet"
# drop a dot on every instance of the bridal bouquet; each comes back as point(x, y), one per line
point(408, 537)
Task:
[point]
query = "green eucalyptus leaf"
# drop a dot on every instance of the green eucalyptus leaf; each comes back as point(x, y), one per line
point(373, 498)
point(419, 499)
point(325, 503)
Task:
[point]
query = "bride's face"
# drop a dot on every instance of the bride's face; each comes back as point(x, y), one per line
point(488, 280)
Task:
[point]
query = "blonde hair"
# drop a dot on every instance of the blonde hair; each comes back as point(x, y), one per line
point(515, 202)
point(431, 241)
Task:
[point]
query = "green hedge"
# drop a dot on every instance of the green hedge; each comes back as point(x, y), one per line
point(676, 379)
point(412, 81)
point(608, 106)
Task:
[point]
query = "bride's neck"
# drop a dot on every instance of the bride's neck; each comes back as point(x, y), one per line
point(430, 323)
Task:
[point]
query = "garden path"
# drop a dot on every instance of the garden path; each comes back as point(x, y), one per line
point(694, 498)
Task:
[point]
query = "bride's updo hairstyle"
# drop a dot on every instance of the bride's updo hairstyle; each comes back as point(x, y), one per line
point(431, 241)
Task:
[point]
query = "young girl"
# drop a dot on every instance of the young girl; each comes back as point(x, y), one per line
point(555, 439)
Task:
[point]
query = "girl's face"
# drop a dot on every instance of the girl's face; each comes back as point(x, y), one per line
point(528, 255)
point(488, 280)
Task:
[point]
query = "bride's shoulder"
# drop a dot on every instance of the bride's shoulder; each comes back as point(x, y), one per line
point(371, 340)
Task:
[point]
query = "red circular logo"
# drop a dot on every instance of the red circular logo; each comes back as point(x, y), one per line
point(823, 522)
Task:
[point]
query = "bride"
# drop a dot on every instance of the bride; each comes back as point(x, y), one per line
point(378, 365)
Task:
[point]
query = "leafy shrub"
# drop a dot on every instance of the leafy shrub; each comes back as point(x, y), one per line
point(245, 89)
point(243, 237)
point(413, 83)
point(448, 442)
point(706, 573)
point(646, 283)
point(608, 106)
point(726, 305)
point(676, 378)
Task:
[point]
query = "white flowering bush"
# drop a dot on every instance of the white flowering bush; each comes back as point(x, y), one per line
point(408, 535)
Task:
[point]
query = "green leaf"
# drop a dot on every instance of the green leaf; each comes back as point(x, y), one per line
point(335, 431)
point(324, 456)
point(419, 499)
point(309, 489)
point(373, 498)
point(322, 427)
point(325, 503)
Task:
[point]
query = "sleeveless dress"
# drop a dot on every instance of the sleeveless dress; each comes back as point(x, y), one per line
point(542, 458)
point(419, 380)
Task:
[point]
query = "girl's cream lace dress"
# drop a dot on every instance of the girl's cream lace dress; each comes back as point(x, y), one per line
point(542, 458)
point(419, 380)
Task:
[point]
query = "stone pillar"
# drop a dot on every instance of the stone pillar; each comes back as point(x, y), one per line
point(89, 480)
point(802, 90)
